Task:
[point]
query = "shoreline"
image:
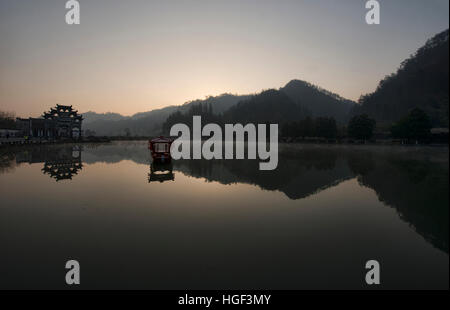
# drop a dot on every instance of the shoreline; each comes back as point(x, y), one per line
point(5, 143)
point(14, 142)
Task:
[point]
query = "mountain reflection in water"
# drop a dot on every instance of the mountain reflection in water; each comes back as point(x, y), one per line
point(413, 181)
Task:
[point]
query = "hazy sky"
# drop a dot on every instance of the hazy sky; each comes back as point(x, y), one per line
point(128, 56)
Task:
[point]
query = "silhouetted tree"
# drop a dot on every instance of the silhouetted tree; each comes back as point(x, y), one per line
point(361, 127)
point(307, 128)
point(326, 127)
point(415, 126)
point(7, 120)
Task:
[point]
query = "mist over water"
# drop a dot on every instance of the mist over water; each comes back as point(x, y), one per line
point(223, 224)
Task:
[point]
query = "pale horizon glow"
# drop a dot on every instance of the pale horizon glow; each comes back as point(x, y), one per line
point(134, 56)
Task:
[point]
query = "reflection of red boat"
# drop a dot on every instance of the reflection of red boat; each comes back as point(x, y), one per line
point(161, 172)
point(160, 149)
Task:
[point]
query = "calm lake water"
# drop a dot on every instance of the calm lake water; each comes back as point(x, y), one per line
point(310, 224)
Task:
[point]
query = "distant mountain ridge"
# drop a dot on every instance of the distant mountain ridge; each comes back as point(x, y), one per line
point(150, 123)
point(89, 117)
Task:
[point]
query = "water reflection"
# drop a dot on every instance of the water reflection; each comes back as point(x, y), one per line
point(418, 190)
point(161, 172)
point(299, 173)
point(7, 161)
point(60, 163)
point(412, 181)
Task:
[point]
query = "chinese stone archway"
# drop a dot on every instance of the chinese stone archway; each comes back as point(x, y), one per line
point(65, 121)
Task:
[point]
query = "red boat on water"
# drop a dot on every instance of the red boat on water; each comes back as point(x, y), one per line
point(160, 149)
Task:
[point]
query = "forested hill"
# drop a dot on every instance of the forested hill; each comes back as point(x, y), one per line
point(294, 102)
point(421, 81)
point(269, 106)
point(319, 102)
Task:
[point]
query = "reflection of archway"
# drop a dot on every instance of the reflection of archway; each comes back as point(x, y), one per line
point(76, 132)
point(64, 163)
point(76, 153)
point(62, 170)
